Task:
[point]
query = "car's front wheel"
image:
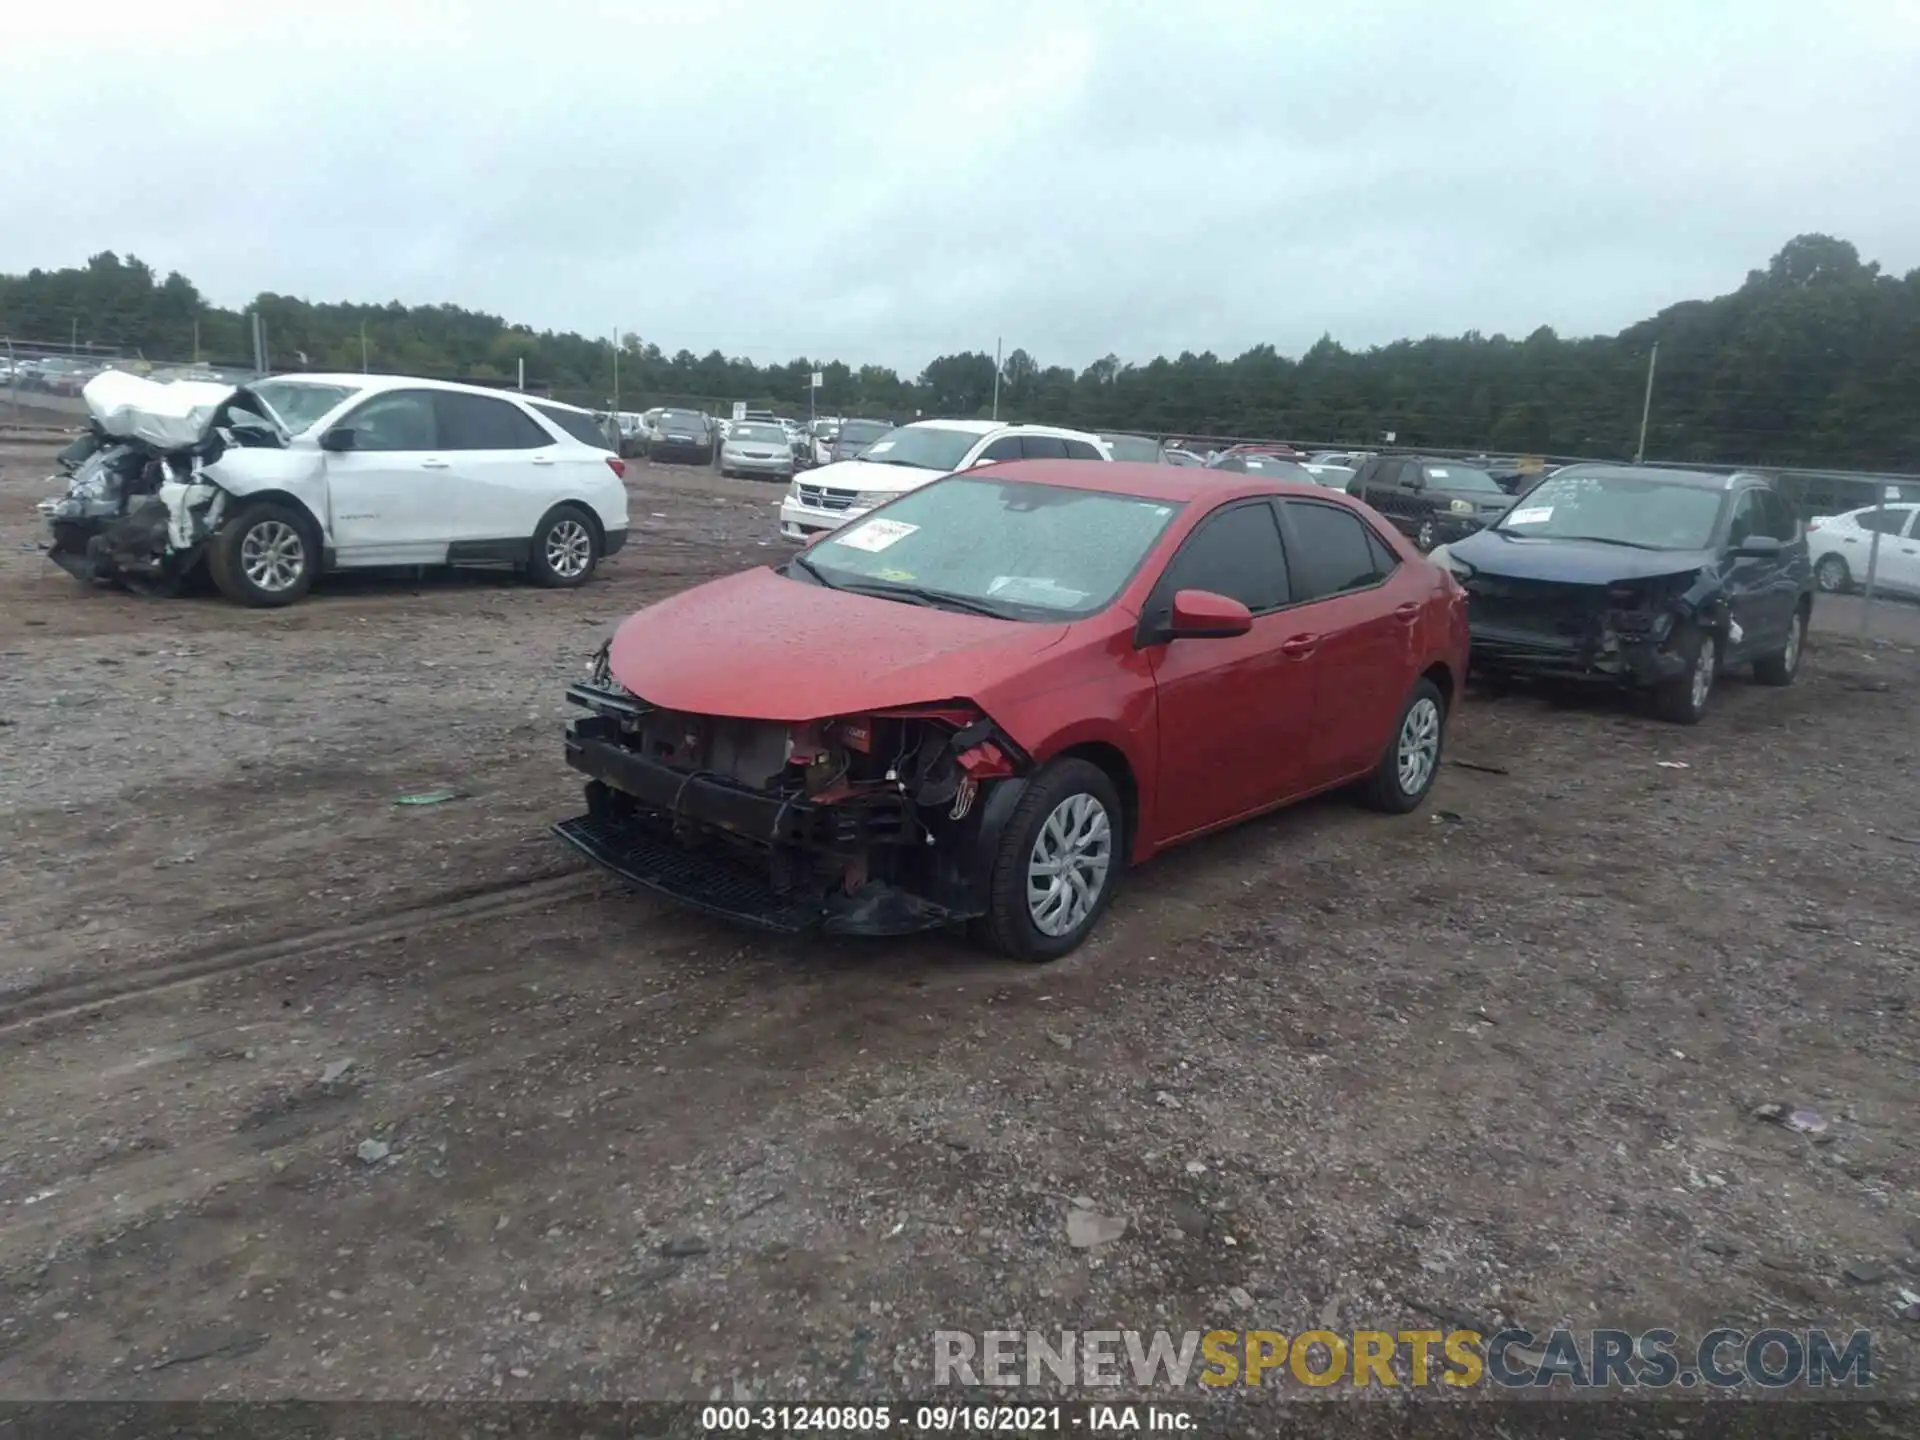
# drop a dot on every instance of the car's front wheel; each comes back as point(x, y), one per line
point(264, 556)
point(1405, 773)
point(1832, 575)
point(1057, 864)
point(1682, 698)
point(566, 548)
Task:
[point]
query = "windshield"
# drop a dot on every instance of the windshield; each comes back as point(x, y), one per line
point(758, 434)
point(925, 447)
point(1133, 447)
point(299, 403)
point(1622, 509)
point(862, 432)
point(1030, 552)
point(1456, 477)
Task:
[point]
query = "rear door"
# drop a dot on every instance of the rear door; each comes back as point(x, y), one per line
point(1899, 553)
point(1382, 490)
point(394, 495)
point(1356, 617)
point(1235, 715)
point(506, 465)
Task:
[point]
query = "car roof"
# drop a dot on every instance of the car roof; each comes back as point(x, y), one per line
point(374, 383)
point(993, 427)
point(1666, 475)
point(1145, 481)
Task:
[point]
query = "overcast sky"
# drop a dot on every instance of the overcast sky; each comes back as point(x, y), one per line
point(892, 181)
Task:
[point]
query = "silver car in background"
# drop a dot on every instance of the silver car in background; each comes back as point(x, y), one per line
point(757, 448)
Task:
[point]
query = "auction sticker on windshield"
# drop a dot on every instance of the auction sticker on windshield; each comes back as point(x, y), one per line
point(876, 535)
point(1538, 515)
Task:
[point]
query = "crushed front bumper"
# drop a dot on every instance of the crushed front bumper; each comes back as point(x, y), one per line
point(1608, 658)
point(746, 856)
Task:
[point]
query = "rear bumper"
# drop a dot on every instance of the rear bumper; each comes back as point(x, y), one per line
point(616, 540)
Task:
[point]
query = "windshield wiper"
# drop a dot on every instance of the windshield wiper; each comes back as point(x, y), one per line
point(909, 464)
point(936, 599)
point(1606, 540)
point(814, 570)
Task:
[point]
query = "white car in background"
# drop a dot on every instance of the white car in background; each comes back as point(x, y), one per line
point(908, 456)
point(337, 472)
point(1840, 545)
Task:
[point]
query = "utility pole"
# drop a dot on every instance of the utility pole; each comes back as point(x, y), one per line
point(520, 379)
point(1646, 405)
point(363, 347)
point(616, 370)
point(1887, 492)
point(996, 377)
point(73, 338)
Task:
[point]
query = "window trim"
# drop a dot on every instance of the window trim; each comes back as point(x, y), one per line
point(1147, 630)
point(1284, 504)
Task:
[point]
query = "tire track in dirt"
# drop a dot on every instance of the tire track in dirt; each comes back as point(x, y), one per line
point(42, 1004)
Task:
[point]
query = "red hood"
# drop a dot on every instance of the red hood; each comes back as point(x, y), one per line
point(758, 646)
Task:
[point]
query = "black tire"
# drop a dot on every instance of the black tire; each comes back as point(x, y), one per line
point(265, 555)
point(1832, 574)
point(1780, 667)
point(1009, 925)
point(1388, 788)
point(1682, 700)
point(566, 548)
point(1425, 537)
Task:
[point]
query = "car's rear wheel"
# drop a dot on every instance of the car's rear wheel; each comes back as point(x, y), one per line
point(1682, 698)
point(264, 556)
point(1832, 575)
point(1780, 667)
point(1057, 864)
point(1405, 773)
point(566, 548)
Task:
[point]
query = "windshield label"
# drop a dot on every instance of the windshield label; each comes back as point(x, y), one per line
point(1436, 474)
point(876, 535)
point(1536, 515)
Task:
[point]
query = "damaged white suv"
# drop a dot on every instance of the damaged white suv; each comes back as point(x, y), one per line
point(272, 484)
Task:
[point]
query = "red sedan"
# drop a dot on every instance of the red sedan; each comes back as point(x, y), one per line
point(984, 700)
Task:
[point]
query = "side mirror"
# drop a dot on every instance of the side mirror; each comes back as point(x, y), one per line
point(340, 438)
point(1203, 615)
point(1757, 547)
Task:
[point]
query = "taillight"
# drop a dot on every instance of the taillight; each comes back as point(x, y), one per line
point(1814, 524)
point(617, 465)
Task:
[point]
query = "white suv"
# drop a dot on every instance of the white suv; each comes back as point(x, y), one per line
point(908, 457)
point(1841, 546)
point(343, 472)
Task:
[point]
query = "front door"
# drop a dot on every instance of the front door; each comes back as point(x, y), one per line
point(1236, 715)
point(1760, 591)
point(395, 494)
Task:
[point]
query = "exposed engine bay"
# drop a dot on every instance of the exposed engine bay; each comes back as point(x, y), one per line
point(864, 824)
point(139, 507)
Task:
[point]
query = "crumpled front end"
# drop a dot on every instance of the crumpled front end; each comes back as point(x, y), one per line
point(869, 824)
point(139, 506)
point(1621, 632)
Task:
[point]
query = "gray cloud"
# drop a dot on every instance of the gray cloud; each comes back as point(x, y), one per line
point(879, 182)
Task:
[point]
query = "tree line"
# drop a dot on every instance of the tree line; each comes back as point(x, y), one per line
point(1814, 360)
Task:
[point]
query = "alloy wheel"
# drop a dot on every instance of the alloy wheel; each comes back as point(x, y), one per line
point(1419, 746)
point(1067, 867)
point(569, 548)
point(272, 554)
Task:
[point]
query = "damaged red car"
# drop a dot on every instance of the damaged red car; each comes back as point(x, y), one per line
point(982, 702)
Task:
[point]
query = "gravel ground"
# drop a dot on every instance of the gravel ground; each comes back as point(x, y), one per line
point(314, 1095)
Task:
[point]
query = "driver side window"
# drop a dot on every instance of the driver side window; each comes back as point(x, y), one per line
point(397, 420)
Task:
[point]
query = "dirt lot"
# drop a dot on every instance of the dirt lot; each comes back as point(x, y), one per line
point(1498, 1060)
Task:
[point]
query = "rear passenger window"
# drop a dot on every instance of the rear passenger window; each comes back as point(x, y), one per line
point(475, 422)
point(1007, 447)
point(1384, 560)
point(1043, 447)
point(1081, 450)
point(1236, 552)
point(580, 427)
point(1335, 551)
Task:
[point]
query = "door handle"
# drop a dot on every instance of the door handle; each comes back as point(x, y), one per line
point(434, 463)
point(543, 459)
point(1406, 614)
point(1300, 646)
